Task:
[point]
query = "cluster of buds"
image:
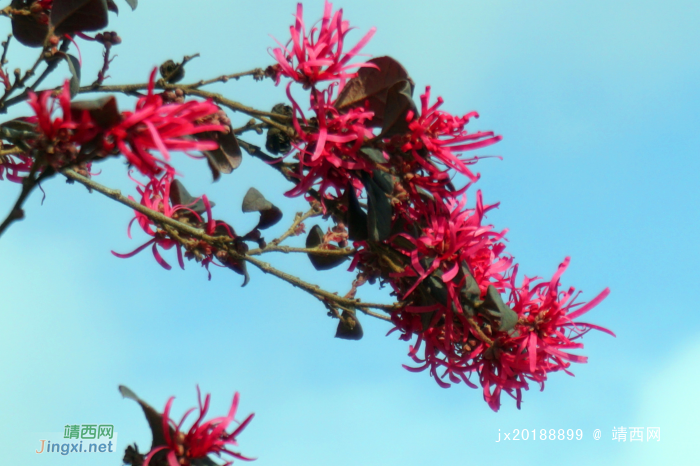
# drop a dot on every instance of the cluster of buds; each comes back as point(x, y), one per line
point(108, 38)
point(40, 11)
point(457, 285)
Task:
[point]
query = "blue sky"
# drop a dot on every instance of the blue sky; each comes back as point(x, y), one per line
point(597, 103)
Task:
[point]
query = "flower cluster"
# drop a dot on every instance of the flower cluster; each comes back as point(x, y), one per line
point(65, 134)
point(168, 197)
point(90, 131)
point(202, 439)
point(318, 55)
point(451, 271)
point(328, 155)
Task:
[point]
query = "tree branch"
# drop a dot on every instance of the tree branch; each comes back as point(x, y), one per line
point(225, 244)
point(29, 182)
point(189, 89)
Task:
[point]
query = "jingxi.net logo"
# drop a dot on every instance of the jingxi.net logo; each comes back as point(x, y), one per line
point(79, 438)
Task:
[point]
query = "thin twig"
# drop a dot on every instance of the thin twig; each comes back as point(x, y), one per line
point(317, 251)
point(11, 151)
point(265, 117)
point(29, 182)
point(228, 247)
point(257, 127)
point(298, 219)
point(474, 325)
point(257, 73)
point(20, 82)
point(5, 46)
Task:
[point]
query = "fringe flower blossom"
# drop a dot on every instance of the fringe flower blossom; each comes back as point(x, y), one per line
point(318, 55)
point(330, 153)
point(155, 126)
point(203, 438)
point(443, 136)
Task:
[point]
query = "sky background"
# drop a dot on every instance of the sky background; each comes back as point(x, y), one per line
point(597, 103)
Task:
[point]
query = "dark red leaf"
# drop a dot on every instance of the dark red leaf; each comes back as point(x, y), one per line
point(103, 111)
point(320, 261)
point(349, 327)
point(254, 201)
point(227, 157)
point(398, 103)
point(379, 210)
point(154, 418)
point(356, 217)
point(371, 85)
point(238, 266)
point(74, 68)
point(71, 16)
point(111, 6)
point(180, 196)
point(28, 31)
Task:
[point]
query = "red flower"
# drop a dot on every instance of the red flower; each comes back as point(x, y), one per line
point(451, 235)
point(541, 341)
point(156, 196)
point(203, 438)
point(318, 56)
point(443, 136)
point(60, 138)
point(154, 125)
point(14, 165)
point(330, 153)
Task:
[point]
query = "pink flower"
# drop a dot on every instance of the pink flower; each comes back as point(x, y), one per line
point(444, 136)
point(452, 235)
point(60, 137)
point(319, 56)
point(156, 196)
point(541, 341)
point(154, 125)
point(13, 165)
point(203, 438)
point(330, 154)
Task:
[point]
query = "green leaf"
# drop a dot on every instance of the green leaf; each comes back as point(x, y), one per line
point(374, 155)
point(494, 304)
point(470, 291)
point(74, 68)
point(356, 217)
point(384, 180)
point(379, 210)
